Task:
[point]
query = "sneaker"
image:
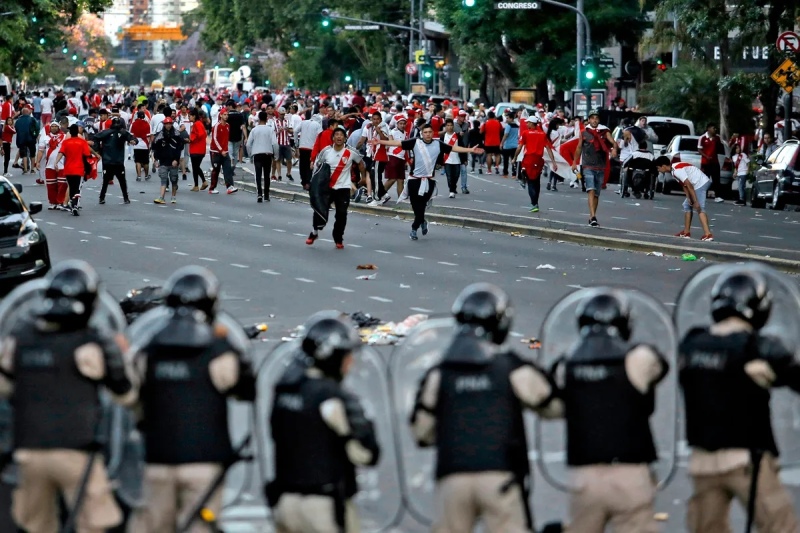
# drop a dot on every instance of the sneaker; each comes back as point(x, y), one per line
point(173, 201)
point(497, 170)
point(718, 200)
point(374, 203)
point(464, 190)
point(101, 201)
point(555, 189)
point(213, 191)
point(369, 199)
point(708, 238)
point(39, 181)
point(159, 201)
point(184, 177)
point(138, 178)
point(194, 189)
point(259, 200)
point(274, 178)
point(452, 195)
point(15, 165)
point(480, 171)
point(290, 178)
point(548, 187)
point(266, 198)
point(684, 234)
point(52, 207)
point(488, 171)
point(126, 201)
point(739, 202)
point(424, 227)
point(535, 209)
point(339, 245)
point(593, 222)
point(75, 212)
point(413, 235)
point(204, 186)
point(147, 177)
point(311, 238)
point(385, 199)
point(232, 189)
point(359, 194)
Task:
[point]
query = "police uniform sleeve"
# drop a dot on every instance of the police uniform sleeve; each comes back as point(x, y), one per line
point(362, 430)
point(231, 373)
point(556, 375)
point(782, 362)
point(532, 386)
point(423, 415)
point(645, 367)
point(7, 347)
point(116, 377)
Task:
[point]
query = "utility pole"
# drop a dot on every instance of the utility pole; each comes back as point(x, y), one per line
point(581, 41)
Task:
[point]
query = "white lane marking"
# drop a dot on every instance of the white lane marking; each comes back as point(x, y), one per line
point(279, 230)
point(104, 237)
point(498, 203)
point(235, 221)
point(51, 223)
point(211, 259)
point(67, 227)
point(771, 237)
point(731, 232)
point(380, 299)
point(153, 248)
point(322, 239)
point(413, 257)
point(85, 232)
point(574, 286)
point(421, 310)
point(181, 210)
point(532, 279)
point(487, 270)
point(653, 222)
point(480, 201)
point(305, 280)
point(721, 215)
point(342, 289)
point(128, 242)
point(179, 253)
point(271, 272)
point(237, 265)
point(670, 304)
point(620, 218)
point(214, 218)
point(355, 245)
point(301, 235)
point(445, 263)
point(198, 214)
point(383, 252)
point(552, 210)
point(257, 225)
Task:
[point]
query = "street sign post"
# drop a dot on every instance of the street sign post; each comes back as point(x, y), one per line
point(411, 69)
point(579, 107)
point(787, 75)
point(788, 41)
point(362, 27)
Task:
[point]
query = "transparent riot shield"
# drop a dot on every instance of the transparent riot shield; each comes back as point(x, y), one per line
point(693, 309)
point(378, 501)
point(650, 324)
point(420, 350)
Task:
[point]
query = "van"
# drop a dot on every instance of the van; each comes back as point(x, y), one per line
point(668, 127)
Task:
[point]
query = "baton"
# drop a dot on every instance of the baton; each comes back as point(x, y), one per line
point(69, 525)
point(755, 458)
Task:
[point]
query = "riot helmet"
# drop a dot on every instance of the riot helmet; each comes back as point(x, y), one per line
point(193, 289)
point(71, 293)
point(486, 307)
point(741, 293)
point(329, 337)
point(606, 312)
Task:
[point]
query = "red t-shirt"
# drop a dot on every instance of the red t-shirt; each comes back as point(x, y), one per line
point(535, 141)
point(8, 133)
point(436, 123)
point(707, 146)
point(493, 132)
point(74, 150)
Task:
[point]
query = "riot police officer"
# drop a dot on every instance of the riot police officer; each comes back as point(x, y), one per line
point(188, 365)
point(606, 388)
point(320, 432)
point(726, 372)
point(470, 407)
point(54, 364)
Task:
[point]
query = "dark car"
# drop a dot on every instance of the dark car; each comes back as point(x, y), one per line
point(777, 182)
point(24, 253)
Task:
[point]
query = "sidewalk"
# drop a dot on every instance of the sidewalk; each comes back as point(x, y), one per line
point(498, 204)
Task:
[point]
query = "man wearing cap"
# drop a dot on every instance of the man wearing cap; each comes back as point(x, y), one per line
point(592, 152)
point(534, 141)
point(283, 129)
point(167, 150)
point(113, 142)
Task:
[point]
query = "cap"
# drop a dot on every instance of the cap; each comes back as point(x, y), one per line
point(56, 124)
point(594, 112)
point(446, 102)
point(281, 109)
point(534, 119)
point(29, 106)
point(167, 120)
point(73, 111)
point(462, 113)
point(409, 108)
point(398, 118)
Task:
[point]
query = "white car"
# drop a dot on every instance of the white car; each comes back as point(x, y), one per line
point(500, 108)
point(683, 148)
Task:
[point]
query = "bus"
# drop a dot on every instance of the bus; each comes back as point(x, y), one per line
point(76, 83)
point(218, 78)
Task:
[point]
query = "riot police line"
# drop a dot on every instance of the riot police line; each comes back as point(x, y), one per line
point(439, 433)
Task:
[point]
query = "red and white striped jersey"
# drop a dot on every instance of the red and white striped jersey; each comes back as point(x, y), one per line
point(281, 130)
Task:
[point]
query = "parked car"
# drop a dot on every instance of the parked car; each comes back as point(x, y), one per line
point(777, 181)
point(683, 148)
point(423, 98)
point(500, 108)
point(24, 253)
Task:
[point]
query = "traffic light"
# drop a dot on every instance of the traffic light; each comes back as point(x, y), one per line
point(660, 65)
point(199, 64)
point(589, 69)
point(326, 21)
point(348, 78)
point(42, 39)
point(74, 57)
point(232, 59)
point(174, 66)
point(85, 61)
point(247, 54)
point(266, 82)
point(34, 19)
point(469, 3)
point(185, 71)
point(64, 49)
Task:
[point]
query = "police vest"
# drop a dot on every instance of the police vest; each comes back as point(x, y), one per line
point(607, 418)
point(479, 425)
point(185, 416)
point(310, 458)
point(55, 406)
point(724, 408)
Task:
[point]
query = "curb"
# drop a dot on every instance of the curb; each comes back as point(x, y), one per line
point(616, 243)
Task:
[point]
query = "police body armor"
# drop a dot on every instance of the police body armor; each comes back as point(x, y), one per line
point(608, 420)
point(185, 416)
point(479, 425)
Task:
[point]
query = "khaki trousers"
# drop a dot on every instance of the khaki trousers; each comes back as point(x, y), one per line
point(462, 499)
point(170, 494)
point(710, 504)
point(619, 495)
point(296, 513)
point(44, 474)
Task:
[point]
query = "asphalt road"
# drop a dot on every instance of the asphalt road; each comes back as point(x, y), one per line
point(269, 274)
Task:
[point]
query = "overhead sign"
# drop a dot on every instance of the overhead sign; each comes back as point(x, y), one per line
point(788, 41)
point(420, 58)
point(579, 108)
point(787, 75)
point(411, 69)
point(517, 5)
point(362, 27)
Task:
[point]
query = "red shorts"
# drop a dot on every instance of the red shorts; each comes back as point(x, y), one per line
point(395, 169)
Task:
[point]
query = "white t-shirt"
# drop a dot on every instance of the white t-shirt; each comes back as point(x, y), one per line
point(452, 157)
point(155, 123)
point(51, 150)
point(215, 114)
point(47, 106)
point(330, 156)
point(742, 163)
point(397, 135)
point(684, 171)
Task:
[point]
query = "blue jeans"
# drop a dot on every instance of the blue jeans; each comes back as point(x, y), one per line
point(463, 176)
point(742, 186)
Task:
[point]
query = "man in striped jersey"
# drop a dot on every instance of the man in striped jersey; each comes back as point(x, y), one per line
point(283, 129)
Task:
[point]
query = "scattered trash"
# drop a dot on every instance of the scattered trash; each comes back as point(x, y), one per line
point(545, 267)
point(516, 234)
point(272, 316)
point(688, 257)
point(661, 517)
point(533, 343)
point(620, 268)
point(364, 320)
point(405, 286)
point(371, 276)
point(657, 254)
point(368, 266)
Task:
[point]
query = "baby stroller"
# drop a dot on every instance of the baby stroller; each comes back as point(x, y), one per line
point(640, 176)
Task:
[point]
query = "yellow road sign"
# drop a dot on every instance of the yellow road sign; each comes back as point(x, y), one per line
point(419, 57)
point(787, 75)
